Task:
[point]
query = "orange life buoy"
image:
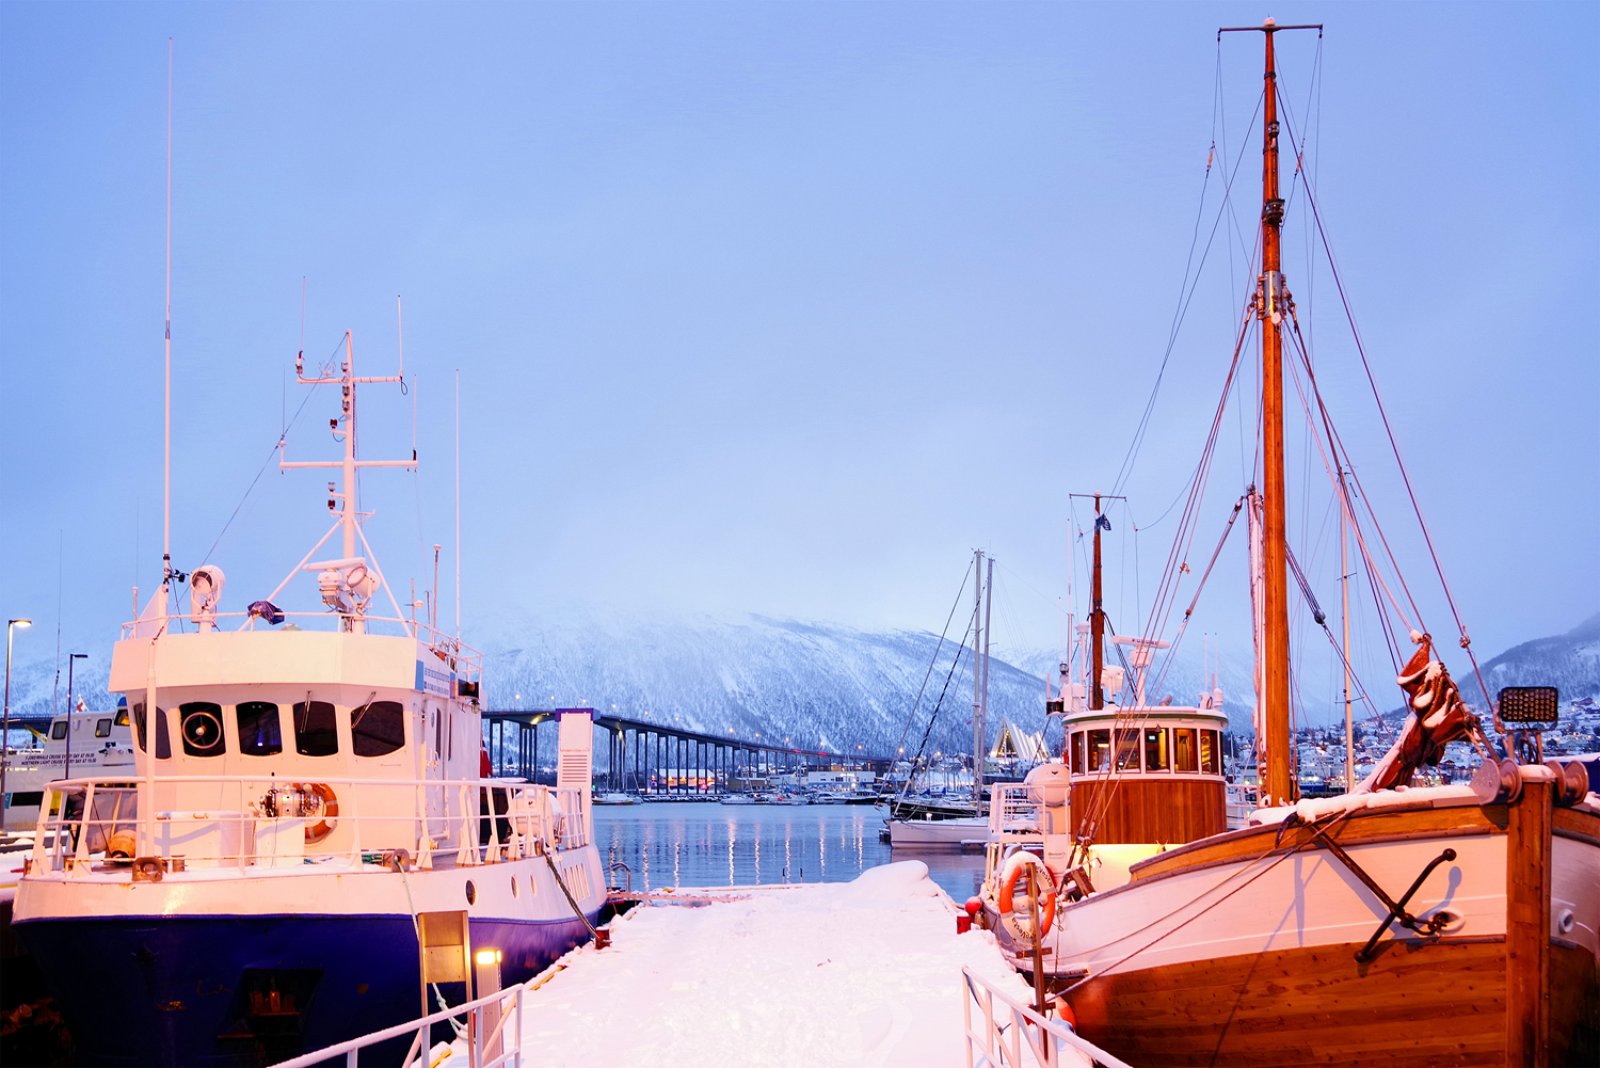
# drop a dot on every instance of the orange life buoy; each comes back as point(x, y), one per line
point(326, 810)
point(1005, 900)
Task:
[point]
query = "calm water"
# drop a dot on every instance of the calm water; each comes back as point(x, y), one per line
point(694, 843)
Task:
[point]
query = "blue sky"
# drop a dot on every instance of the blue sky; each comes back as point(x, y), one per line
point(776, 307)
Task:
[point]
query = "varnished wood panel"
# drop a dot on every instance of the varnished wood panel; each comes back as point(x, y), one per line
point(1416, 1004)
point(1141, 810)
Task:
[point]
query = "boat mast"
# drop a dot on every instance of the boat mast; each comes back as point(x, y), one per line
point(1097, 612)
point(977, 679)
point(1279, 786)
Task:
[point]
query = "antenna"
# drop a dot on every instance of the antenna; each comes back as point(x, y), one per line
point(166, 508)
point(458, 504)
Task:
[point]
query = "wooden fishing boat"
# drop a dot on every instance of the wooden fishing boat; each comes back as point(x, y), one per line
point(1392, 924)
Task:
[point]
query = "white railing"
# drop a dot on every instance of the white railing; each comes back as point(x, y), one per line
point(493, 1026)
point(193, 821)
point(1009, 1034)
point(464, 660)
point(1242, 799)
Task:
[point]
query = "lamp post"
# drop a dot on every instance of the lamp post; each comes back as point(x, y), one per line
point(5, 739)
point(72, 662)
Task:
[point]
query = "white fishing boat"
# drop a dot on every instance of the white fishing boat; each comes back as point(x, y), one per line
point(304, 849)
point(82, 743)
point(1394, 924)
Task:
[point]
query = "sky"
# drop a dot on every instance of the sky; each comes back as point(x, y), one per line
point(784, 308)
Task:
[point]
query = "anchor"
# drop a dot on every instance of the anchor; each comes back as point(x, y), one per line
point(1428, 928)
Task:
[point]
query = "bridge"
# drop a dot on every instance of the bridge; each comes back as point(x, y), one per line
point(661, 759)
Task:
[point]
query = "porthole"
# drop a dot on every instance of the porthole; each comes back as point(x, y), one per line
point(515, 891)
point(472, 893)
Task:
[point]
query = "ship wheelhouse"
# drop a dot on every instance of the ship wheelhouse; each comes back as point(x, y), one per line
point(1147, 774)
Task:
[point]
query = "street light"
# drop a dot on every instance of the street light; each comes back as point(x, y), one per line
point(5, 738)
point(72, 662)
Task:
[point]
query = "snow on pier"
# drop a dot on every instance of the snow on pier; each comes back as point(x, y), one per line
point(824, 974)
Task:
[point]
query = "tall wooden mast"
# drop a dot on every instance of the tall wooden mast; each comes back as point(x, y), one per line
point(1280, 784)
point(1097, 621)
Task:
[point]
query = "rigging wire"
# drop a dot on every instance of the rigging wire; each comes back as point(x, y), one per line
point(911, 716)
point(283, 434)
point(1465, 639)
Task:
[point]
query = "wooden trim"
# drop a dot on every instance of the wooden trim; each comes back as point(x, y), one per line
point(1360, 828)
point(1579, 825)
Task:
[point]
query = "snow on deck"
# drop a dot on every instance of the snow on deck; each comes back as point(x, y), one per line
point(859, 973)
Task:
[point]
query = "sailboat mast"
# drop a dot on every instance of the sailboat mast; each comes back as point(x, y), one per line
point(977, 677)
point(1280, 784)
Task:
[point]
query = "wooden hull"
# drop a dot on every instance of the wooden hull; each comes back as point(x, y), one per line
point(1240, 949)
point(1415, 1004)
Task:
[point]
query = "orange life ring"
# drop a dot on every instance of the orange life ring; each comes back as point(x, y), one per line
point(327, 809)
point(1005, 900)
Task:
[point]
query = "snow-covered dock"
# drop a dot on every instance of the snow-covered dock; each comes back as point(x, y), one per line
point(859, 973)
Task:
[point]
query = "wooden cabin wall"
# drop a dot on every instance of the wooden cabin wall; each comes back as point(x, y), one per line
point(1170, 811)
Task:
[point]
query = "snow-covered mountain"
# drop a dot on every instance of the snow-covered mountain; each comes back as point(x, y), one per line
point(824, 686)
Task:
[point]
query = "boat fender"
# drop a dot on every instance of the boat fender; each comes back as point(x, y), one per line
point(1065, 1014)
point(120, 846)
point(324, 804)
point(1006, 899)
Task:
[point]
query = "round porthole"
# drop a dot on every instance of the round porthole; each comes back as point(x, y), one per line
point(472, 893)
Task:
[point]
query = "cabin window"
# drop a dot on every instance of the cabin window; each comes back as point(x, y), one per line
point(1077, 752)
point(1128, 750)
point(377, 728)
point(315, 733)
point(1156, 756)
point(1210, 753)
point(1186, 749)
point(1099, 749)
point(200, 726)
point(260, 733)
point(58, 730)
point(102, 728)
point(163, 743)
point(122, 717)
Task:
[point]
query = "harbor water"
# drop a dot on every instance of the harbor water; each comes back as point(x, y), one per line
point(666, 844)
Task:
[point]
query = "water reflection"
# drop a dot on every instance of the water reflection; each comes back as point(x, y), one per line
point(668, 844)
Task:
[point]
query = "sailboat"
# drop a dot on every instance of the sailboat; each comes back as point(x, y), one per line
point(946, 823)
point(1392, 924)
point(304, 850)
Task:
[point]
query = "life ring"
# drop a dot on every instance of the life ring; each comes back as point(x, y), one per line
point(326, 809)
point(1005, 900)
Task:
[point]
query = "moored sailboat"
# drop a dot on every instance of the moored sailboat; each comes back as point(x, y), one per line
point(1392, 924)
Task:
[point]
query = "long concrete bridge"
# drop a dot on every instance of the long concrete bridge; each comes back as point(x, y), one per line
point(658, 758)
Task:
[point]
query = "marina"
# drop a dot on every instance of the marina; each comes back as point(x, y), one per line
point(310, 826)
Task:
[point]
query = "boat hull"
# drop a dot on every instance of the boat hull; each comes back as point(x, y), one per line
point(1241, 949)
point(177, 990)
point(1413, 1004)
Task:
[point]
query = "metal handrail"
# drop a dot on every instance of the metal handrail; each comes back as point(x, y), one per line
point(1011, 1034)
point(464, 659)
point(82, 821)
point(502, 1045)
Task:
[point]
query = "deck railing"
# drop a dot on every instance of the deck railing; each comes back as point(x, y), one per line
point(194, 822)
point(1008, 1034)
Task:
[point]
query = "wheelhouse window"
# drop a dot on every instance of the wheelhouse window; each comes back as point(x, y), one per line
point(260, 732)
point(377, 728)
point(1155, 749)
point(1128, 750)
point(1185, 749)
point(200, 727)
point(122, 717)
point(1210, 753)
point(1077, 752)
point(163, 743)
point(1099, 749)
point(315, 732)
point(58, 730)
point(102, 728)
